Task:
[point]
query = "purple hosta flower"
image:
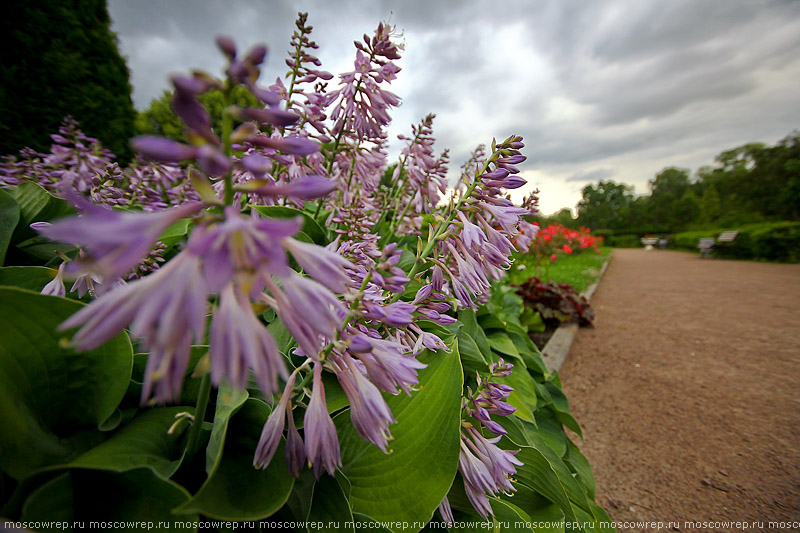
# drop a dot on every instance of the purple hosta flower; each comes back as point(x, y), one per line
point(114, 241)
point(388, 363)
point(295, 448)
point(242, 245)
point(425, 292)
point(505, 213)
point(470, 271)
point(86, 284)
point(362, 104)
point(327, 267)
point(397, 314)
point(166, 312)
point(386, 274)
point(301, 146)
point(490, 397)
point(185, 104)
point(322, 443)
point(477, 480)
point(273, 428)
point(151, 262)
point(73, 164)
point(161, 149)
point(472, 235)
point(310, 312)
point(56, 287)
point(495, 237)
point(368, 410)
point(239, 343)
point(427, 340)
point(154, 186)
point(301, 62)
point(305, 188)
point(486, 468)
point(446, 512)
point(426, 176)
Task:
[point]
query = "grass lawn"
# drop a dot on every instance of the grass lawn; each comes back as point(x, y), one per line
point(579, 270)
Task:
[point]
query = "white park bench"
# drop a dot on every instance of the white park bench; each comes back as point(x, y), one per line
point(706, 245)
point(727, 236)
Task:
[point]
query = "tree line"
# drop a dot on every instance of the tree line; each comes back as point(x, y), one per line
point(751, 183)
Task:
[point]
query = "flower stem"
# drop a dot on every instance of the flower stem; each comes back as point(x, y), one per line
point(203, 395)
point(227, 129)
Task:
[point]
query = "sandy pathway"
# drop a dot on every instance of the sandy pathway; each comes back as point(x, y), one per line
point(688, 389)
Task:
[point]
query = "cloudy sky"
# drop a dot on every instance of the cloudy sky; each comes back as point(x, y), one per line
point(606, 89)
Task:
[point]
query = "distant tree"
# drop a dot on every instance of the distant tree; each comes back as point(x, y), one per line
point(666, 190)
point(709, 205)
point(686, 211)
point(565, 218)
point(160, 119)
point(604, 205)
point(774, 187)
point(60, 57)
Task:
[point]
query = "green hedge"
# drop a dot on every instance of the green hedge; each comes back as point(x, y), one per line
point(772, 241)
point(623, 240)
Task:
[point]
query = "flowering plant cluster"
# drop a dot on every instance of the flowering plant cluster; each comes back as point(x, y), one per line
point(270, 326)
point(556, 239)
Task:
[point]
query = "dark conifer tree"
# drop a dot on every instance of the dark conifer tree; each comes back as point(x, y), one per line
point(60, 57)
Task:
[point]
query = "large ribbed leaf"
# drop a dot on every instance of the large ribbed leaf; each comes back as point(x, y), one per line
point(409, 483)
point(52, 398)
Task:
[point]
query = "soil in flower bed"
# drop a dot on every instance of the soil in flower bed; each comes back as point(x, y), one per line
point(540, 339)
point(687, 389)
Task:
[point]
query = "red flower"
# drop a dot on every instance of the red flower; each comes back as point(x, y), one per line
point(567, 248)
point(553, 258)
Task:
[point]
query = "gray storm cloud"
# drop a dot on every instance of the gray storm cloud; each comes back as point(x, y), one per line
point(633, 85)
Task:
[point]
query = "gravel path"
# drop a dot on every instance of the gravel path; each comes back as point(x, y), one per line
point(688, 390)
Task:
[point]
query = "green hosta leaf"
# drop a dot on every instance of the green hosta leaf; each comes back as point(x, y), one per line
point(408, 484)
point(538, 508)
point(228, 402)
point(365, 523)
point(602, 522)
point(299, 501)
point(93, 496)
point(33, 278)
point(310, 226)
point(491, 321)
point(236, 490)
point(471, 326)
point(36, 205)
point(537, 474)
point(578, 463)
point(9, 217)
point(549, 429)
point(507, 517)
point(175, 233)
point(561, 407)
point(52, 502)
point(543, 470)
point(52, 398)
point(471, 356)
point(282, 337)
point(501, 343)
point(330, 507)
point(142, 443)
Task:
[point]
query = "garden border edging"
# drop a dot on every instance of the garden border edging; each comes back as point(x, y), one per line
point(557, 348)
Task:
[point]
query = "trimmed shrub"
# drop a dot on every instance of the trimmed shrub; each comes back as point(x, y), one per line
point(771, 241)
